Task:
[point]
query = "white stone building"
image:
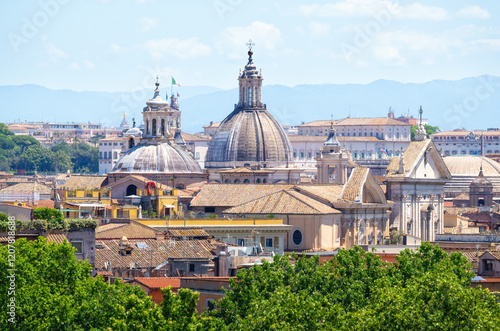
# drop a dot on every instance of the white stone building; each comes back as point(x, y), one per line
point(463, 142)
point(415, 182)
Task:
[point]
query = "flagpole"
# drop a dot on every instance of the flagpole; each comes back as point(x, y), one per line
point(172, 86)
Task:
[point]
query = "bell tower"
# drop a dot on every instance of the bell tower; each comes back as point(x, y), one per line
point(156, 115)
point(333, 156)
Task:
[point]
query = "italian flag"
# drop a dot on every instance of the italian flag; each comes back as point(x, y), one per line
point(174, 82)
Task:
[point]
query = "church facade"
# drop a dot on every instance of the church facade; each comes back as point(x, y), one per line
point(415, 183)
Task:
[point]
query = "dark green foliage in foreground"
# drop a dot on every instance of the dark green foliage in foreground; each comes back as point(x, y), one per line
point(425, 290)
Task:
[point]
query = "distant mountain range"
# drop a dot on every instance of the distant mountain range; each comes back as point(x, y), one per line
point(470, 103)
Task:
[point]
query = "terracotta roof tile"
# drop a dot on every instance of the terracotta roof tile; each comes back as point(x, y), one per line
point(57, 237)
point(133, 230)
point(229, 195)
point(155, 253)
point(354, 186)
point(411, 154)
point(159, 282)
point(83, 182)
point(29, 187)
point(189, 232)
point(284, 202)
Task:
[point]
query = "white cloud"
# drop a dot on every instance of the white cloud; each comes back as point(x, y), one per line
point(409, 48)
point(148, 23)
point(319, 30)
point(55, 54)
point(374, 8)
point(488, 43)
point(88, 64)
point(183, 49)
point(359, 8)
point(473, 12)
point(421, 12)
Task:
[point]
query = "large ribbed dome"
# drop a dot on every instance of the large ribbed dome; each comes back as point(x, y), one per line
point(471, 164)
point(249, 136)
point(163, 158)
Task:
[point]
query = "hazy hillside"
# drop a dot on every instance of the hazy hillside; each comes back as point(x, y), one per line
point(470, 103)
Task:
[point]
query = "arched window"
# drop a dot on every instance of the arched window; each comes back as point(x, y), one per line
point(258, 181)
point(131, 190)
point(180, 186)
point(250, 97)
point(153, 127)
point(236, 181)
point(147, 126)
point(227, 181)
point(162, 127)
point(131, 142)
point(264, 180)
point(246, 181)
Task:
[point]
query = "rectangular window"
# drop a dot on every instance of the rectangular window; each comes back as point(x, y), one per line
point(78, 245)
point(115, 155)
point(241, 242)
point(269, 243)
point(191, 267)
point(294, 155)
point(301, 155)
point(210, 304)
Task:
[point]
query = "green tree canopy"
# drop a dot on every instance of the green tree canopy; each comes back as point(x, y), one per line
point(426, 290)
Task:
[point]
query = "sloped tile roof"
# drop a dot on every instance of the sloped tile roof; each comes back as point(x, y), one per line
point(189, 232)
point(414, 149)
point(83, 182)
point(57, 237)
point(229, 195)
point(29, 187)
point(328, 193)
point(353, 188)
point(133, 230)
point(43, 204)
point(156, 253)
point(284, 202)
point(159, 282)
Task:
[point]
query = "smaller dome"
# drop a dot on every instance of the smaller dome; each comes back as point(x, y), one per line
point(161, 158)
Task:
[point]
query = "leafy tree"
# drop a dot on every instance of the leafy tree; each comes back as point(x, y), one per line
point(425, 290)
point(4, 130)
point(25, 142)
point(54, 291)
point(47, 213)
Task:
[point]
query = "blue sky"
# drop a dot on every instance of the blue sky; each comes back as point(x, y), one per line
point(121, 45)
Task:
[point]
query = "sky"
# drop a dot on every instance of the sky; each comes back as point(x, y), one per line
point(121, 45)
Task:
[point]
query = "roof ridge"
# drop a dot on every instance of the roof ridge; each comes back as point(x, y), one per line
point(307, 204)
